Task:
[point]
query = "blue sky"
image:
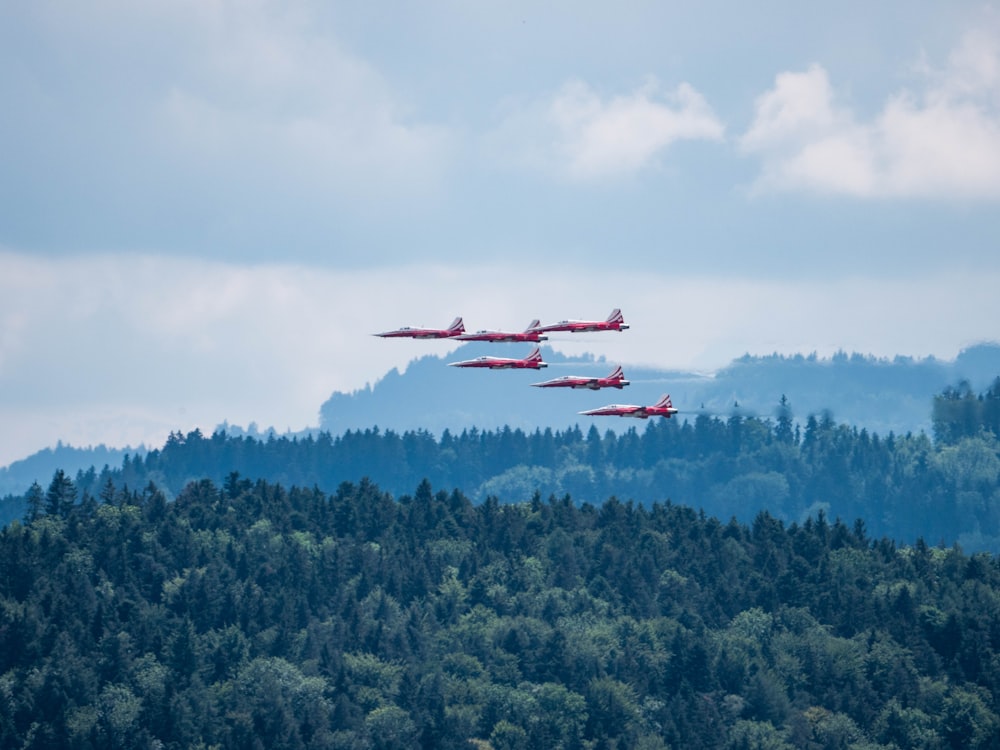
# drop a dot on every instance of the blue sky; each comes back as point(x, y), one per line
point(208, 206)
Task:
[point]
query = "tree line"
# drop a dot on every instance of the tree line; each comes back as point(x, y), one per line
point(904, 487)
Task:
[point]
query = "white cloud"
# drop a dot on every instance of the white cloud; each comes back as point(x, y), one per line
point(800, 104)
point(124, 349)
point(579, 135)
point(940, 141)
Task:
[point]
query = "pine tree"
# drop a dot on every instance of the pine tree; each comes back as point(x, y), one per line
point(34, 500)
point(783, 432)
point(61, 497)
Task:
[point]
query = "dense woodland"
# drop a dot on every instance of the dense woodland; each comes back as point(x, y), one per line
point(249, 615)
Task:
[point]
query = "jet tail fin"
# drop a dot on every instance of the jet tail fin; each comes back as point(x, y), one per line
point(618, 374)
point(457, 326)
point(664, 403)
point(616, 316)
point(532, 325)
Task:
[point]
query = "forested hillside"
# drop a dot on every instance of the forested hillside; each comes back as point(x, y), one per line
point(903, 487)
point(250, 615)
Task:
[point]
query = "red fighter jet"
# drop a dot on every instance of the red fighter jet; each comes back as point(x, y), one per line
point(529, 334)
point(662, 408)
point(614, 380)
point(457, 328)
point(533, 362)
point(615, 322)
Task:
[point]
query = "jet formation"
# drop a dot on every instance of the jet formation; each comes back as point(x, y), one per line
point(533, 334)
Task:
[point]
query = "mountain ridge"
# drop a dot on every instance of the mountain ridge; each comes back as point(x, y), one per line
point(879, 394)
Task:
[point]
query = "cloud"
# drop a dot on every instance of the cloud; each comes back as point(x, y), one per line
point(579, 135)
point(939, 141)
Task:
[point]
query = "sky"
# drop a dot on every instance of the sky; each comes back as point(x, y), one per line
point(207, 207)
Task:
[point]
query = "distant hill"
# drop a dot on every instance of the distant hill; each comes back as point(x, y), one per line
point(880, 395)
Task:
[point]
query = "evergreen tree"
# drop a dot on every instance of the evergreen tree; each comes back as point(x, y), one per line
point(784, 432)
point(34, 501)
point(61, 495)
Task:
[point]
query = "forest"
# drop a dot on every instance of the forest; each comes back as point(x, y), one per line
point(248, 615)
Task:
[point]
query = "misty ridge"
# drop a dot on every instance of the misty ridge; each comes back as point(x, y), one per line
point(876, 394)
